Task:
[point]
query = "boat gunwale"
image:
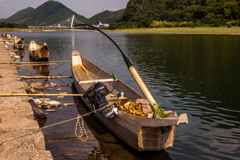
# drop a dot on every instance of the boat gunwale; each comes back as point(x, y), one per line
point(142, 121)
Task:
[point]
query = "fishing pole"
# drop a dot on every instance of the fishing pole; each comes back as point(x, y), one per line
point(133, 72)
point(129, 64)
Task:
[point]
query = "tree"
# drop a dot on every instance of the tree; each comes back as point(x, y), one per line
point(210, 18)
point(2, 25)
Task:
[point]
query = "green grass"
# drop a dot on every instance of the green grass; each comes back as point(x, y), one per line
point(183, 30)
point(180, 30)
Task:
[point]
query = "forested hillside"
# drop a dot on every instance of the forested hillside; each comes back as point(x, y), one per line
point(17, 16)
point(49, 13)
point(2, 19)
point(214, 12)
point(105, 17)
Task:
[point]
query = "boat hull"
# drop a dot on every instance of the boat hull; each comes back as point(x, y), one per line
point(20, 45)
point(143, 134)
point(40, 54)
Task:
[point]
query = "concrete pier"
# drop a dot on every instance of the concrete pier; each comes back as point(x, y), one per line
point(16, 118)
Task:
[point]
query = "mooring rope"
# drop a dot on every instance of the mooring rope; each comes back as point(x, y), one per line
point(60, 65)
point(65, 71)
point(80, 123)
point(82, 130)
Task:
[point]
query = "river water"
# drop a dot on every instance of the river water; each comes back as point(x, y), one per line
point(193, 74)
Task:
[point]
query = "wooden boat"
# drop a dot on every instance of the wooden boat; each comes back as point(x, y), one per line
point(19, 43)
point(141, 133)
point(37, 52)
point(9, 36)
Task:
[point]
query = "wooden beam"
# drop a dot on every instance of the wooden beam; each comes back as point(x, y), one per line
point(45, 64)
point(97, 80)
point(40, 95)
point(45, 77)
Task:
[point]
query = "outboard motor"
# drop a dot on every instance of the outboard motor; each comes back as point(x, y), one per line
point(96, 94)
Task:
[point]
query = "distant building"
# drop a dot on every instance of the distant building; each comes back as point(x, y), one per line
point(100, 25)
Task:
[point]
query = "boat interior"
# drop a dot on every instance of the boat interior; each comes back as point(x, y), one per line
point(87, 74)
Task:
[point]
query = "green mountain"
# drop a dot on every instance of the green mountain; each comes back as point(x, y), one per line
point(49, 13)
point(205, 11)
point(105, 17)
point(20, 14)
point(2, 19)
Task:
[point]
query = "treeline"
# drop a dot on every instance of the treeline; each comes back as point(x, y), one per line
point(149, 13)
point(166, 24)
point(12, 25)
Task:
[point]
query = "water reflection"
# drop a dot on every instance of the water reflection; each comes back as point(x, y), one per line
point(196, 74)
point(41, 69)
point(73, 40)
point(20, 53)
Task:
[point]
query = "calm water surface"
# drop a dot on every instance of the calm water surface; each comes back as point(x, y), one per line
point(193, 74)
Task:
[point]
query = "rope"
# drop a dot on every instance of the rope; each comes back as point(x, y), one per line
point(78, 123)
point(81, 128)
point(51, 69)
point(65, 70)
point(61, 64)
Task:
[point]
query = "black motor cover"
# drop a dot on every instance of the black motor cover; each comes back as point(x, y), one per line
point(96, 95)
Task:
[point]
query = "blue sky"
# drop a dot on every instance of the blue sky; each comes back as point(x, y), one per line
point(87, 8)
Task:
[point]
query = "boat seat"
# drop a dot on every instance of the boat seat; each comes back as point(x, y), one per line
point(97, 80)
point(86, 80)
point(81, 73)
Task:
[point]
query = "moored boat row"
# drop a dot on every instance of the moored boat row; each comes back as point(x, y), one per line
point(37, 52)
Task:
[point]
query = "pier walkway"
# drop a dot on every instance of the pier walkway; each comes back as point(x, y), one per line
point(16, 117)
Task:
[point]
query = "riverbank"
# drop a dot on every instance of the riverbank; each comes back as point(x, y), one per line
point(197, 30)
point(31, 30)
point(184, 30)
point(17, 118)
point(38, 30)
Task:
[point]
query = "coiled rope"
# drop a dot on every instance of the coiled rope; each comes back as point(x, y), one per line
point(79, 123)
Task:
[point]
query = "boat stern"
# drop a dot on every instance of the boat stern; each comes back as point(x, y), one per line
point(44, 52)
point(155, 139)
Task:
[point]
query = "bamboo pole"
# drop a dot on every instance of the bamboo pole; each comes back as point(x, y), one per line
point(13, 50)
point(36, 64)
point(40, 95)
point(45, 77)
point(133, 71)
point(142, 85)
point(14, 44)
point(135, 74)
point(33, 62)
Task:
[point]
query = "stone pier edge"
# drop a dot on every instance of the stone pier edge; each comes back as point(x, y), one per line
point(17, 117)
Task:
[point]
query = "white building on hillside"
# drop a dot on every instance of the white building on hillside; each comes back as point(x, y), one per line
point(100, 25)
